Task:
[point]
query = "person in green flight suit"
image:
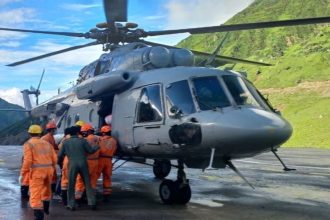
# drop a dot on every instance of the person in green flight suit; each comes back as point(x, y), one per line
point(75, 149)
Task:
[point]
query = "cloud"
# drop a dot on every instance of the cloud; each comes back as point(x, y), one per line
point(197, 13)
point(16, 16)
point(80, 7)
point(13, 44)
point(79, 57)
point(12, 95)
point(5, 2)
point(76, 57)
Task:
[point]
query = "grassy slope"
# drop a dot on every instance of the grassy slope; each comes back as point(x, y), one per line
point(299, 54)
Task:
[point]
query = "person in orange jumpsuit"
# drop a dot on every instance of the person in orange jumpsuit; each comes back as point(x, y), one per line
point(39, 161)
point(49, 137)
point(108, 147)
point(65, 169)
point(87, 131)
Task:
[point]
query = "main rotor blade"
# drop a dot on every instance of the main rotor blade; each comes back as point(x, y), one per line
point(224, 58)
point(70, 34)
point(239, 27)
point(53, 53)
point(115, 10)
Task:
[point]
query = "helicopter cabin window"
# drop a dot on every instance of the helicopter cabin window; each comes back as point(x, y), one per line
point(149, 105)
point(90, 116)
point(76, 118)
point(100, 67)
point(178, 94)
point(209, 94)
point(239, 91)
point(68, 121)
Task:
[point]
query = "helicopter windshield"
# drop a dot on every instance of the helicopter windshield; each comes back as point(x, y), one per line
point(209, 93)
point(239, 91)
point(178, 94)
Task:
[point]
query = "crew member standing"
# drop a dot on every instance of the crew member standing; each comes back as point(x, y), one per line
point(87, 131)
point(49, 137)
point(75, 149)
point(40, 161)
point(108, 147)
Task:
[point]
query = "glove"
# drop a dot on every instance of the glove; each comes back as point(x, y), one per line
point(20, 180)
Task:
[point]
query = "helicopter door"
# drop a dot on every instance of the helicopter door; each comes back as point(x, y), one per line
point(149, 118)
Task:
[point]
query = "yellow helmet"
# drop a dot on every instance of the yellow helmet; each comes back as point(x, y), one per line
point(35, 129)
point(80, 123)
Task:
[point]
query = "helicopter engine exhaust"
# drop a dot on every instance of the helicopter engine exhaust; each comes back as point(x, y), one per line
point(106, 83)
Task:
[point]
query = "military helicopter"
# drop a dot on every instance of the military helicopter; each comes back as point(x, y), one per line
point(163, 107)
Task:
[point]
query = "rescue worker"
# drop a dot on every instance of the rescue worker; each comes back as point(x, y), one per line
point(49, 137)
point(108, 147)
point(75, 148)
point(87, 131)
point(39, 161)
point(64, 173)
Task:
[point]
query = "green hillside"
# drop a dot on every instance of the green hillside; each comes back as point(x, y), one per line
point(301, 58)
point(10, 117)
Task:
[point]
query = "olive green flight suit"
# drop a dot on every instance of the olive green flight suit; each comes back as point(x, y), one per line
point(75, 148)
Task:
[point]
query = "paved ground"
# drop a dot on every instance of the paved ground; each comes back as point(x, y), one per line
point(217, 194)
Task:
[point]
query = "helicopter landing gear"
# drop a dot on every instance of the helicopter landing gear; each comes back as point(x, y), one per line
point(161, 168)
point(178, 191)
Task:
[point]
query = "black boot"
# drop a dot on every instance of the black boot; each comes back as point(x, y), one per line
point(46, 207)
point(53, 187)
point(38, 214)
point(64, 195)
point(25, 192)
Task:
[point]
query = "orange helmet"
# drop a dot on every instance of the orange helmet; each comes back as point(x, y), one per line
point(86, 127)
point(51, 125)
point(106, 129)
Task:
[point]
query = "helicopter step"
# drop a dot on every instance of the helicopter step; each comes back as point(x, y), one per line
point(176, 192)
point(161, 168)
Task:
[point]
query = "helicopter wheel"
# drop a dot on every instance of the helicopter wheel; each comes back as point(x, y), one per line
point(178, 191)
point(183, 193)
point(167, 191)
point(161, 168)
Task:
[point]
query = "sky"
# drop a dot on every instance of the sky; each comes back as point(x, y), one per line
point(80, 16)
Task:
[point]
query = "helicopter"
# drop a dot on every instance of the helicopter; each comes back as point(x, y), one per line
point(162, 106)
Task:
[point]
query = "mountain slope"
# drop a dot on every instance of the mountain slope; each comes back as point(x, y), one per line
point(8, 118)
point(300, 55)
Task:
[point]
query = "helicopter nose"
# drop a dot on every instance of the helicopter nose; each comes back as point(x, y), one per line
point(247, 131)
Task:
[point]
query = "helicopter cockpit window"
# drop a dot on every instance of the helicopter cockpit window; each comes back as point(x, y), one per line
point(239, 91)
point(178, 94)
point(149, 106)
point(209, 93)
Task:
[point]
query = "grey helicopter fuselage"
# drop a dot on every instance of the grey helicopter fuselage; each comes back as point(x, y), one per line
point(186, 120)
point(164, 107)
